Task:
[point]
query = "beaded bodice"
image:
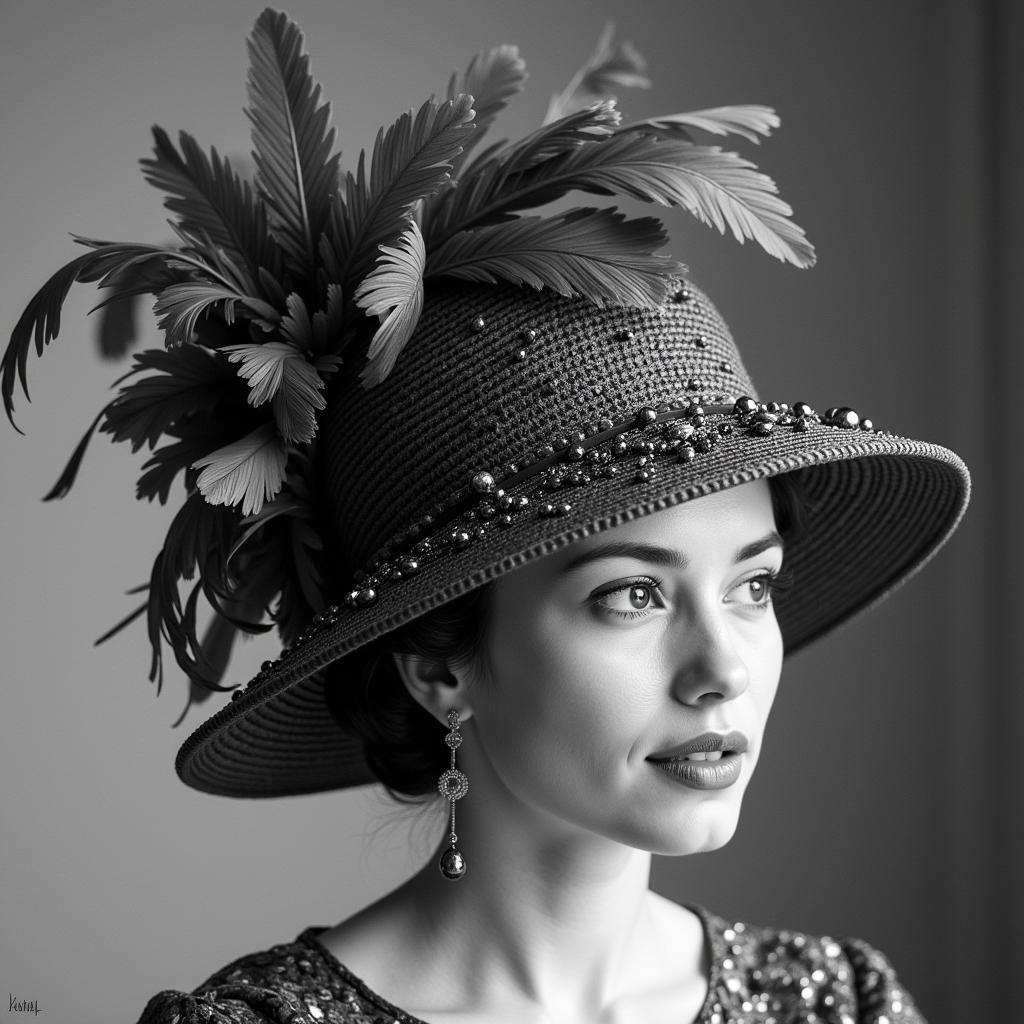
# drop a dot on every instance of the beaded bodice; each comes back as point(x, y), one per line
point(757, 976)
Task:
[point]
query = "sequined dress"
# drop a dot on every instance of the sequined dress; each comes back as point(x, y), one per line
point(757, 976)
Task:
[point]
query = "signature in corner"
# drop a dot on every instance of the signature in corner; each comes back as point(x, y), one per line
point(23, 1005)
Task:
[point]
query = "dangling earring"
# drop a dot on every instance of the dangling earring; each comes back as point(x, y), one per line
point(453, 786)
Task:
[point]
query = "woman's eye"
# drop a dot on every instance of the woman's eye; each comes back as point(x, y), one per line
point(630, 600)
point(757, 591)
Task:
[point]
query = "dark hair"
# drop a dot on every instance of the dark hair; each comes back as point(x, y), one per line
point(403, 744)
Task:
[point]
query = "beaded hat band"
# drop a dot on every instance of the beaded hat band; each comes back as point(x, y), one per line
point(552, 421)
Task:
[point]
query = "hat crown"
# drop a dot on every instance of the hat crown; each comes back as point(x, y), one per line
point(491, 376)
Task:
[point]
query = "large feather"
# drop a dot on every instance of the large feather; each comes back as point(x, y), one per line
point(211, 199)
point(596, 254)
point(459, 208)
point(41, 319)
point(292, 138)
point(720, 188)
point(393, 292)
point(411, 160)
point(492, 78)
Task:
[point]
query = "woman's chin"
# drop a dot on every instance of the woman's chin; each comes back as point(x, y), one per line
point(703, 829)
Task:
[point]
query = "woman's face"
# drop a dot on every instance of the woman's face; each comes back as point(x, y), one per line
point(616, 667)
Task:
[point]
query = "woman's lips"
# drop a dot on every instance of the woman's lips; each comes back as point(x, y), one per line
point(709, 761)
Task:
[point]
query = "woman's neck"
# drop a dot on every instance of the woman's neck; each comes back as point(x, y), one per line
point(547, 923)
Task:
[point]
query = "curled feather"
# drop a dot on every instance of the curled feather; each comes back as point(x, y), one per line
point(277, 372)
point(245, 473)
point(393, 292)
point(40, 322)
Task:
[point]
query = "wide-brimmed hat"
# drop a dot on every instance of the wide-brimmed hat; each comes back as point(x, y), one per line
point(387, 387)
point(518, 422)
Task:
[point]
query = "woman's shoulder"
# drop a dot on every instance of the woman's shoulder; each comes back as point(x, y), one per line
point(757, 970)
point(297, 982)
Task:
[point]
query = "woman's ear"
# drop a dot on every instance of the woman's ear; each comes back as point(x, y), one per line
point(433, 685)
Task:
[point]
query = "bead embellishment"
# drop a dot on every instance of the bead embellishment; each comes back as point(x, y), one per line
point(679, 430)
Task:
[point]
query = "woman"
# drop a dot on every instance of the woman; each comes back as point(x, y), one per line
point(540, 534)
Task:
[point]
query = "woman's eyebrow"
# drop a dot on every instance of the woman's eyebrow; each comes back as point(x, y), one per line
point(759, 547)
point(623, 549)
point(663, 556)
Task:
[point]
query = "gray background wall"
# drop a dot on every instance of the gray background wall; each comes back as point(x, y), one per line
point(885, 805)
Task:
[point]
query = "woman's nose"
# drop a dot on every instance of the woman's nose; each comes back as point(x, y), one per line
point(709, 666)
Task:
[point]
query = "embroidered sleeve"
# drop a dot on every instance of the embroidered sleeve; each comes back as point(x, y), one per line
point(880, 997)
point(228, 1004)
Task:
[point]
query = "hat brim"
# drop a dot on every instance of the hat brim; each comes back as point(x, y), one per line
point(877, 508)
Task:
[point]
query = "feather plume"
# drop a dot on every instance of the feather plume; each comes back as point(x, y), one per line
point(211, 199)
point(40, 322)
point(492, 78)
point(720, 188)
point(295, 326)
point(596, 254)
point(292, 138)
point(277, 372)
point(196, 544)
point(161, 469)
point(181, 382)
point(264, 291)
point(393, 292)
point(410, 161)
point(247, 472)
point(179, 306)
point(472, 203)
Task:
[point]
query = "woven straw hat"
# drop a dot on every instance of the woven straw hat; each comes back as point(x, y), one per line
point(485, 422)
point(517, 422)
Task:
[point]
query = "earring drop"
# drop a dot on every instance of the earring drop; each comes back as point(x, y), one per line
point(453, 785)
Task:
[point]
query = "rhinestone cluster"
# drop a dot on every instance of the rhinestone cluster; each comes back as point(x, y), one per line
point(768, 977)
point(681, 430)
